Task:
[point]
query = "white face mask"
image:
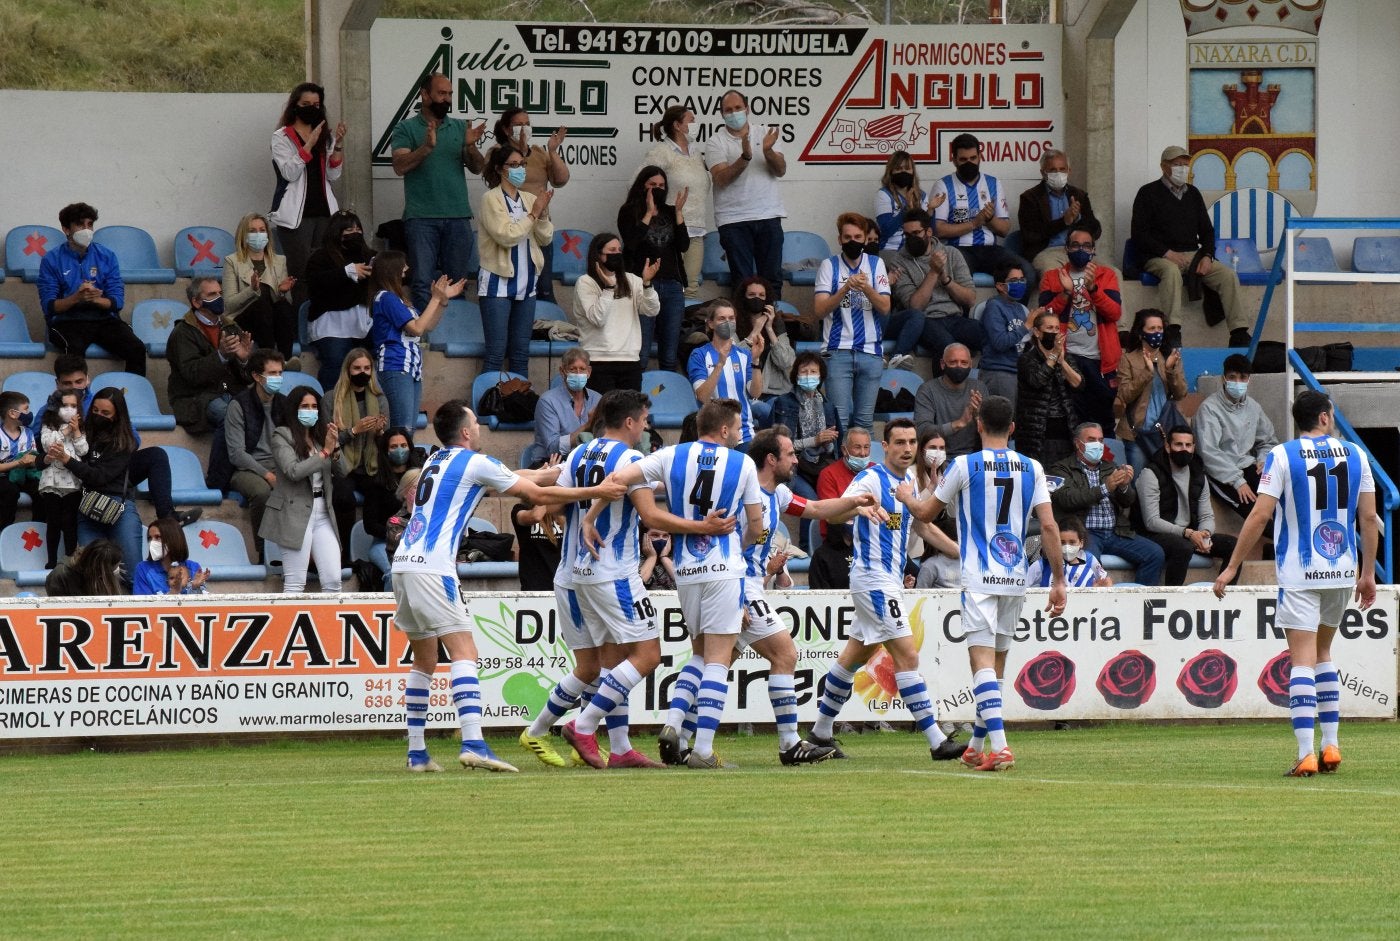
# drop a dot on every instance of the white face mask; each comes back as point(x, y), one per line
point(67, 412)
point(157, 549)
point(1057, 181)
point(1179, 174)
point(933, 457)
point(1070, 552)
point(82, 238)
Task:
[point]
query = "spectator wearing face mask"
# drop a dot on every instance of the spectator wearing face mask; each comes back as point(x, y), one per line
point(852, 299)
point(1233, 436)
point(257, 287)
point(654, 229)
point(361, 412)
point(306, 452)
point(609, 304)
point(1082, 567)
point(933, 291)
point(337, 281)
point(59, 491)
point(722, 369)
point(758, 317)
point(677, 153)
point(515, 232)
point(248, 425)
point(900, 191)
point(93, 571)
point(746, 162)
point(397, 329)
point(1004, 332)
point(545, 167)
point(563, 411)
point(837, 476)
point(1176, 510)
point(19, 456)
point(948, 403)
point(1048, 209)
point(1085, 296)
point(168, 568)
point(1046, 413)
point(974, 214)
point(307, 157)
point(932, 543)
point(387, 492)
point(1149, 380)
point(208, 362)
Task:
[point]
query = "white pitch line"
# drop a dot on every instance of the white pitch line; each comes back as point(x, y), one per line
point(1165, 785)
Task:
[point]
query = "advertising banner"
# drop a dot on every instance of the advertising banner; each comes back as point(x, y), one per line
point(270, 663)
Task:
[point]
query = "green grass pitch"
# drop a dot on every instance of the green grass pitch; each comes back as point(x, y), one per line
point(1119, 832)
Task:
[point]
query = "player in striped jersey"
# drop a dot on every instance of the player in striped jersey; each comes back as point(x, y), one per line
point(721, 369)
point(606, 618)
point(429, 607)
point(880, 544)
point(1082, 567)
point(1319, 491)
point(995, 490)
point(700, 477)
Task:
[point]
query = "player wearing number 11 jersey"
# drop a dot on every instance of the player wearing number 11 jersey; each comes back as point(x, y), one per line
point(1321, 496)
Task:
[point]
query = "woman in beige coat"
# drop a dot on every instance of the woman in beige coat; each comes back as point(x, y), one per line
point(1147, 382)
point(257, 288)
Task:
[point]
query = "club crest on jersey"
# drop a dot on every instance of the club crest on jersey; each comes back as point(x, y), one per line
point(1329, 539)
point(1006, 549)
point(896, 521)
point(415, 529)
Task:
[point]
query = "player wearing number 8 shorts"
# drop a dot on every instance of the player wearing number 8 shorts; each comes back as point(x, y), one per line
point(880, 542)
point(428, 603)
point(995, 490)
point(1319, 491)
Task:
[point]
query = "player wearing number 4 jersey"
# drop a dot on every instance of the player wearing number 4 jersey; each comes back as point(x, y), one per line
point(1319, 492)
point(996, 490)
point(427, 597)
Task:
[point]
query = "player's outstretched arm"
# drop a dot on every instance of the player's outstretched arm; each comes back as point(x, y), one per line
point(1370, 525)
point(926, 509)
point(715, 523)
point(838, 509)
point(1253, 528)
point(610, 489)
point(1050, 548)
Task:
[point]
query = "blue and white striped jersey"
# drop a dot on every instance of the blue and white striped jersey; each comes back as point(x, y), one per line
point(700, 476)
point(733, 379)
point(450, 486)
point(880, 548)
point(521, 284)
point(996, 491)
point(1081, 574)
point(619, 556)
point(775, 503)
point(964, 202)
point(854, 325)
point(1316, 482)
point(395, 350)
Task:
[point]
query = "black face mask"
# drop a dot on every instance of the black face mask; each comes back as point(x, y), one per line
point(755, 305)
point(852, 250)
point(1182, 458)
point(98, 425)
point(1048, 340)
point(957, 375)
point(310, 114)
point(658, 196)
point(359, 379)
point(917, 245)
point(614, 263)
point(969, 172)
point(439, 109)
point(903, 179)
point(872, 248)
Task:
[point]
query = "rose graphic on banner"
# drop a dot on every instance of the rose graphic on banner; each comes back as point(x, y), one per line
point(1273, 679)
point(1208, 680)
point(1128, 680)
point(1047, 681)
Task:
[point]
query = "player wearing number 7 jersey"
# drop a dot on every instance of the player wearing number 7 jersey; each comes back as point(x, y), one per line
point(1319, 491)
point(427, 597)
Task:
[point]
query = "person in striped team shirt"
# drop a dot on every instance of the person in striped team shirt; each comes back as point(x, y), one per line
point(1082, 567)
point(722, 369)
point(1318, 491)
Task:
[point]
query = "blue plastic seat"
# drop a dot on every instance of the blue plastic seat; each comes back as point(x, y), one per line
point(785, 307)
point(1132, 266)
point(672, 397)
point(36, 385)
point(219, 547)
point(14, 333)
point(290, 380)
point(1203, 361)
point(202, 248)
point(479, 386)
point(713, 266)
point(803, 253)
point(1377, 254)
point(1314, 253)
point(1252, 213)
point(136, 253)
point(895, 380)
point(1243, 256)
point(980, 279)
point(24, 553)
point(140, 400)
point(186, 480)
point(460, 332)
point(571, 254)
point(152, 321)
point(25, 248)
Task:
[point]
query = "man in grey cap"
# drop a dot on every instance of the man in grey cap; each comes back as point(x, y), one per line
point(1174, 236)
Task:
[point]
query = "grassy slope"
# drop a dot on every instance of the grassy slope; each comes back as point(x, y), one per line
point(1112, 832)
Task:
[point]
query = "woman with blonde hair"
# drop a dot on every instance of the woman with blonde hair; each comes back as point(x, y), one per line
point(361, 412)
point(680, 157)
point(899, 192)
point(257, 287)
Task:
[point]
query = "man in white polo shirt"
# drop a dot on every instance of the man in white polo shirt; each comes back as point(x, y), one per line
point(745, 162)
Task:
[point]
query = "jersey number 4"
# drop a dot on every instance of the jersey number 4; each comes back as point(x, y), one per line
point(702, 494)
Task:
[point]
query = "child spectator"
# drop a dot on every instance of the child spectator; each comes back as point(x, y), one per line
point(1082, 567)
point(19, 472)
point(59, 491)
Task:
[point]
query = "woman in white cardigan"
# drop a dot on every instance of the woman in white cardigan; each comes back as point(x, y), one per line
point(609, 303)
point(677, 154)
point(307, 157)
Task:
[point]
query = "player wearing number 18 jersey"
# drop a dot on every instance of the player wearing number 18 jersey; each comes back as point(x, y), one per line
point(427, 597)
point(1320, 494)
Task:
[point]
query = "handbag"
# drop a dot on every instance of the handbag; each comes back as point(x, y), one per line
point(511, 400)
point(485, 546)
point(1152, 438)
point(101, 508)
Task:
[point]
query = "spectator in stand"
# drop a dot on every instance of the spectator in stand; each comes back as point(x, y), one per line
point(1048, 209)
point(1082, 569)
point(537, 533)
point(837, 476)
point(722, 369)
point(360, 410)
point(307, 158)
point(248, 427)
point(973, 214)
point(390, 489)
point(852, 298)
point(544, 168)
point(93, 571)
point(306, 452)
point(1147, 383)
point(429, 151)
point(932, 293)
point(748, 205)
point(1175, 505)
point(19, 457)
point(563, 411)
point(1004, 333)
point(931, 545)
point(337, 281)
point(899, 192)
point(1174, 236)
point(1233, 436)
point(811, 417)
point(653, 229)
point(257, 288)
point(948, 403)
point(1085, 296)
point(81, 293)
point(680, 158)
point(515, 228)
point(1100, 494)
point(609, 305)
point(1046, 413)
point(59, 491)
point(168, 570)
point(658, 569)
point(208, 357)
point(758, 317)
point(396, 328)
point(107, 470)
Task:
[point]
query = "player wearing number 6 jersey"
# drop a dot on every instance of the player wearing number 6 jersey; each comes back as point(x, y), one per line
point(881, 537)
point(427, 597)
point(1319, 491)
point(995, 490)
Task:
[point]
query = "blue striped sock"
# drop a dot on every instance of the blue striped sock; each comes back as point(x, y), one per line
point(684, 691)
point(782, 693)
point(714, 689)
point(914, 691)
point(466, 696)
point(561, 699)
point(1329, 701)
point(415, 697)
point(619, 740)
point(1302, 706)
point(613, 687)
point(689, 723)
point(986, 692)
point(836, 690)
